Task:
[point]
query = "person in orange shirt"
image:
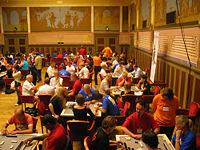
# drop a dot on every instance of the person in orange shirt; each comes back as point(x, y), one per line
point(165, 106)
point(108, 51)
point(97, 66)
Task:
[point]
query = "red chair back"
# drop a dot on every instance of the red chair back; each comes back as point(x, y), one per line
point(198, 142)
point(148, 99)
point(87, 142)
point(8, 81)
point(135, 80)
point(77, 129)
point(20, 89)
point(194, 107)
point(44, 103)
point(27, 99)
point(156, 90)
point(85, 81)
point(66, 81)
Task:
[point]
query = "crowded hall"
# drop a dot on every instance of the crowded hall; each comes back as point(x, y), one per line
point(99, 74)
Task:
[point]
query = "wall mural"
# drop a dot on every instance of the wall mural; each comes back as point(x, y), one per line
point(106, 17)
point(60, 18)
point(14, 19)
point(133, 17)
point(145, 13)
point(189, 10)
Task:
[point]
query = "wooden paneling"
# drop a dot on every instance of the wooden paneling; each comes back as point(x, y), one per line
point(190, 90)
point(197, 91)
point(177, 78)
point(172, 77)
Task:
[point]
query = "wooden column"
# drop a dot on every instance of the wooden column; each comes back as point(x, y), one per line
point(121, 18)
point(28, 19)
point(1, 17)
point(137, 14)
point(92, 18)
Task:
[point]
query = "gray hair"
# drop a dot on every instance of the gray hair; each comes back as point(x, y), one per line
point(28, 76)
point(86, 86)
point(183, 120)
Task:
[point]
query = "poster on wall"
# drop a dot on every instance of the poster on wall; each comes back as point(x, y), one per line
point(154, 55)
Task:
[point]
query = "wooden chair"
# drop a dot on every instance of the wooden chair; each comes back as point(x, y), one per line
point(66, 81)
point(120, 119)
point(24, 73)
point(27, 99)
point(135, 80)
point(42, 126)
point(194, 107)
point(85, 81)
point(35, 120)
point(87, 142)
point(77, 129)
point(129, 99)
point(182, 111)
point(8, 81)
point(148, 99)
point(44, 103)
point(198, 141)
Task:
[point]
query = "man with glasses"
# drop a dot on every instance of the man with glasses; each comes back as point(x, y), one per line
point(139, 122)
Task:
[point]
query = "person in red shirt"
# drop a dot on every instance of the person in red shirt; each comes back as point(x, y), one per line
point(23, 123)
point(77, 85)
point(139, 122)
point(82, 51)
point(60, 55)
point(123, 79)
point(56, 139)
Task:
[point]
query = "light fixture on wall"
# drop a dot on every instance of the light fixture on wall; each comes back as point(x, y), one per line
point(106, 28)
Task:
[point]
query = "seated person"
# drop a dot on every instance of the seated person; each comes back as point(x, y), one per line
point(80, 110)
point(9, 71)
point(23, 123)
point(123, 79)
point(183, 139)
point(2, 68)
point(103, 70)
point(28, 87)
point(127, 88)
point(50, 70)
point(150, 139)
point(137, 72)
point(46, 88)
point(139, 122)
point(105, 83)
point(100, 140)
point(77, 85)
point(84, 72)
point(64, 72)
point(119, 69)
point(109, 106)
point(143, 86)
point(56, 81)
point(88, 93)
point(56, 139)
point(24, 64)
point(69, 67)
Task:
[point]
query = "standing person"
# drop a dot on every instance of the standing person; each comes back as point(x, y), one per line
point(82, 51)
point(107, 51)
point(165, 106)
point(183, 139)
point(97, 66)
point(17, 76)
point(38, 65)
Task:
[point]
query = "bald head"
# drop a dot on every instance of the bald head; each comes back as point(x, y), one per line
point(19, 114)
point(87, 88)
point(29, 78)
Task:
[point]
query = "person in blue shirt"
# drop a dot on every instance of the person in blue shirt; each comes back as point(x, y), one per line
point(183, 139)
point(24, 64)
point(109, 106)
point(88, 94)
point(64, 72)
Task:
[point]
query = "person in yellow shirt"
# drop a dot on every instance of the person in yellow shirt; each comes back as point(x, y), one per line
point(165, 106)
point(107, 51)
point(97, 66)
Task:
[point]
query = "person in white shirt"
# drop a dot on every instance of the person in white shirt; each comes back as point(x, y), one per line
point(46, 88)
point(137, 72)
point(56, 81)
point(51, 69)
point(119, 69)
point(115, 61)
point(84, 72)
point(28, 87)
point(69, 67)
point(103, 70)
